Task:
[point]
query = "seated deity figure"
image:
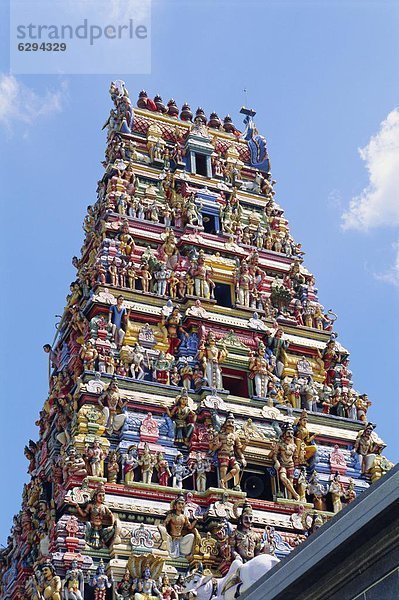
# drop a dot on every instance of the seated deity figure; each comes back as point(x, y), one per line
point(145, 587)
point(118, 317)
point(102, 527)
point(244, 541)
point(181, 529)
point(183, 418)
point(49, 584)
point(368, 447)
point(112, 407)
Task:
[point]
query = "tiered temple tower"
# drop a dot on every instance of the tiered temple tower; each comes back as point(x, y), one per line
point(200, 404)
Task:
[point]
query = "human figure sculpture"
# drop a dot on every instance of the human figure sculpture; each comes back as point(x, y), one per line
point(125, 587)
point(230, 450)
point(89, 355)
point(161, 276)
point(179, 471)
point(49, 586)
point(74, 583)
point(95, 457)
point(245, 542)
point(145, 588)
point(100, 582)
point(145, 278)
point(74, 465)
point(163, 470)
point(211, 358)
point(173, 330)
point(118, 317)
point(102, 527)
point(302, 484)
point(284, 455)
point(112, 406)
point(139, 359)
point(278, 346)
point(167, 591)
point(317, 490)
point(181, 529)
point(127, 244)
point(367, 447)
point(201, 276)
point(130, 463)
point(306, 448)
point(201, 467)
point(337, 492)
point(147, 462)
point(260, 371)
point(244, 283)
point(113, 467)
point(183, 418)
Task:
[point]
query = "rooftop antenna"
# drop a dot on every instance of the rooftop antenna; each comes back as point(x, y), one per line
point(247, 111)
point(245, 96)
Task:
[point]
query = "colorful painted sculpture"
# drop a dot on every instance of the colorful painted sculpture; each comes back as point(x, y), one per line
point(229, 449)
point(102, 527)
point(191, 340)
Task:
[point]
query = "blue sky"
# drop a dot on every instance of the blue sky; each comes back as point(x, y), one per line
point(323, 77)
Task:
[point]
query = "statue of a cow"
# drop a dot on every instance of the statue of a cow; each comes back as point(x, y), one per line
point(239, 578)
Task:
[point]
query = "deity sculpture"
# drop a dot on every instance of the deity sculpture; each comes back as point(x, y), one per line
point(245, 542)
point(260, 370)
point(102, 527)
point(73, 464)
point(230, 450)
point(49, 585)
point(181, 529)
point(306, 448)
point(167, 591)
point(127, 244)
point(74, 583)
point(243, 283)
point(179, 471)
point(147, 462)
point(284, 455)
point(203, 285)
point(211, 358)
point(118, 317)
point(89, 355)
point(112, 407)
point(201, 466)
point(317, 490)
point(145, 587)
point(130, 463)
point(173, 330)
point(95, 458)
point(337, 492)
point(278, 346)
point(183, 418)
point(367, 447)
point(100, 582)
point(124, 588)
point(163, 470)
point(113, 467)
point(302, 484)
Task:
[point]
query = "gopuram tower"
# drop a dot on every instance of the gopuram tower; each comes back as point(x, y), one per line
point(201, 413)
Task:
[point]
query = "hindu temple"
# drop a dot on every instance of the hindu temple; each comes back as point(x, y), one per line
point(201, 420)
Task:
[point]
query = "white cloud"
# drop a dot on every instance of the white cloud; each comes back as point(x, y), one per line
point(391, 275)
point(20, 104)
point(378, 203)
